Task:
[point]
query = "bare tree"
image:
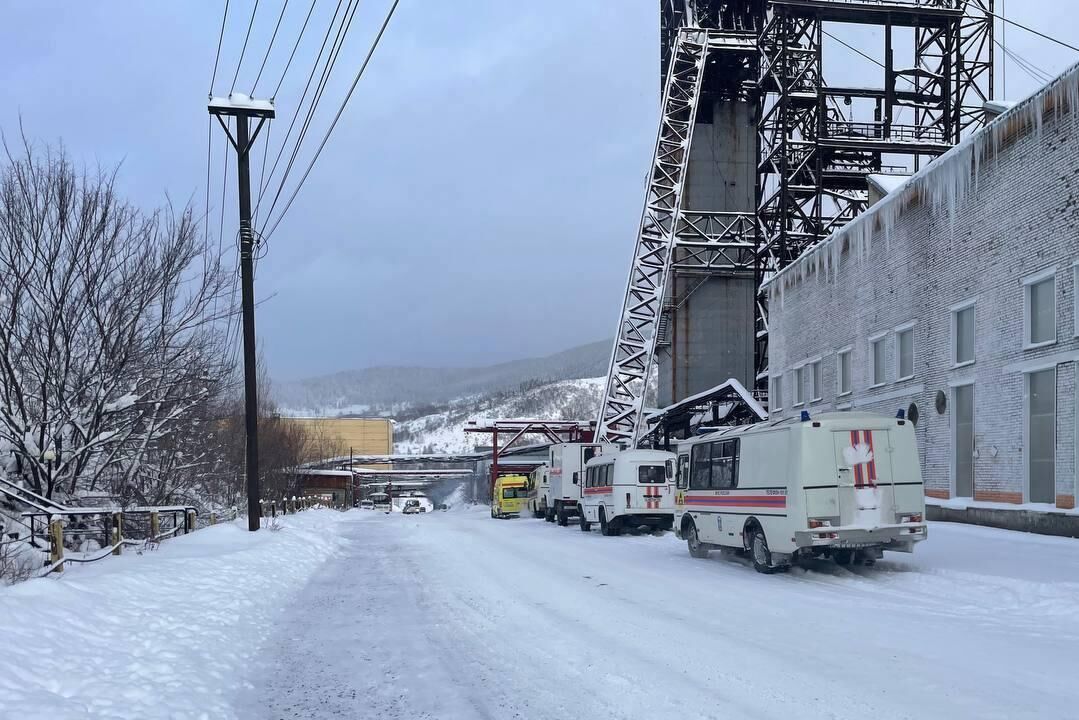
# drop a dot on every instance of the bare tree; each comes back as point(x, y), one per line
point(109, 343)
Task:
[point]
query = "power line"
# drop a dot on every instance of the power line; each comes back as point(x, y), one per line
point(337, 117)
point(331, 60)
point(296, 113)
point(1032, 30)
point(1036, 73)
point(220, 37)
point(269, 47)
point(244, 50)
point(294, 47)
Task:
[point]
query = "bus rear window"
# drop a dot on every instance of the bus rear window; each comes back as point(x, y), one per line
point(510, 493)
point(651, 474)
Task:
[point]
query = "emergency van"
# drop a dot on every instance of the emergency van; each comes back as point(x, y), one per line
point(628, 489)
point(539, 495)
point(510, 496)
point(566, 463)
point(842, 485)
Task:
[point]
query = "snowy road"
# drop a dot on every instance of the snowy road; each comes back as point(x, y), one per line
point(454, 615)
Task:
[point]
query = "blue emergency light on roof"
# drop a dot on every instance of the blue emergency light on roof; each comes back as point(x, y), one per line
point(901, 415)
point(805, 416)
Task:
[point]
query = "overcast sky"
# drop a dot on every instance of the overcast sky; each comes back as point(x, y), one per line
point(478, 200)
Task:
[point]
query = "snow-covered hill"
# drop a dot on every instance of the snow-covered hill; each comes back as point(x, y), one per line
point(442, 429)
point(387, 391)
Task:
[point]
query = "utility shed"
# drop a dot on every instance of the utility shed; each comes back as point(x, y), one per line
point(954, 300)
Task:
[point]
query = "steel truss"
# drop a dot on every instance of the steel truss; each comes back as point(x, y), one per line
point(813, 159)
point(669, 235)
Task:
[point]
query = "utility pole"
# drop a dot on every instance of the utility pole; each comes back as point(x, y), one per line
point(243, 108)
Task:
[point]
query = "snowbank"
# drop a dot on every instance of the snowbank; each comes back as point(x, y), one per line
point(164, 634)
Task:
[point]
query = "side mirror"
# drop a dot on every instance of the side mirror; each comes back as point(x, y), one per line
point(576, 478)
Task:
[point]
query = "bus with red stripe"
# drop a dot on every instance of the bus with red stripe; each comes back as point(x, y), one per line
point(842, 485)
point(628, 489)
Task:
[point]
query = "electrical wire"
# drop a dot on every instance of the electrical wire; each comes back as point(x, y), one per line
point(1032, 30)
point(220, 37)
point(1036, 73)
point(337, 117)
point(269, 47)
point(243, 52)
point(331, 61)
point(307, 87)
point(294, 47)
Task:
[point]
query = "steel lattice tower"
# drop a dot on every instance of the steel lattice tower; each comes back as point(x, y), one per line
point(813, 155)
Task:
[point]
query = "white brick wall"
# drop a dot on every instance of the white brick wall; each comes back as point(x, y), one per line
point(1022, 218)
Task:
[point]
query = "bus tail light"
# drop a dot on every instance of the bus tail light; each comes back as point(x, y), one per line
point(914, 518)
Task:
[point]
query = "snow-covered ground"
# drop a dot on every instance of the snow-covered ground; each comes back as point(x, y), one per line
point(452, 615)
point(455, 615)
point(164, 634)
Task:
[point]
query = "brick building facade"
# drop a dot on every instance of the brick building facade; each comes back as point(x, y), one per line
point(956, 299)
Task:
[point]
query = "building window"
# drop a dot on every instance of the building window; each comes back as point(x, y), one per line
point(963, 440)
point(815, 377)
point(904, 352)
point(776, 400)
point(1041, 435)
point(963, 335)
point(843, 368)
point(1075, 296)
point(1040, 306)
point(878, 358)
point(799, 386)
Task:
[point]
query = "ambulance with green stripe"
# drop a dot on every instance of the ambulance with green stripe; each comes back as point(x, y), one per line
point(843, 485)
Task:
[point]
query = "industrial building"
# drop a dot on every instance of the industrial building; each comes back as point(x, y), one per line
point(342, 436)
point(955, 299)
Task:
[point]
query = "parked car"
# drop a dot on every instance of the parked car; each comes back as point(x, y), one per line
point(413, 507)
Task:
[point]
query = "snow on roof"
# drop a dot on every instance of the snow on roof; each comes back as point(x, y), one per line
point(946, 181)
point(332, 473)
point(887, 184)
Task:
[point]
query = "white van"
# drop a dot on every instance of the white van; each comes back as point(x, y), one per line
point(566, 462)
point(539, 492)
point(628, 489)
point(845, 485)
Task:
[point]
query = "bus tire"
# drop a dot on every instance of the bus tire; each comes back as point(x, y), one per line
point(843, 556)
point(606, 527)
point(548, 514)
point(585, 525)
point(563, 519)
point(697, 549)
point(758, 550)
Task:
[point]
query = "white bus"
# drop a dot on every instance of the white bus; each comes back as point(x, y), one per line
point(566, 462)
point(539, 492)
point(845, 485)
point(628, 489)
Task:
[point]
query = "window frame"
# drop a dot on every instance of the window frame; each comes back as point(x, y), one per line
point(954, 311)
point(1075, 306)
point(799, 382)
point(1028, 317)
point(776, 393)
point(816, 380)
point(839, 375)
point(875, 340)
point(899, 333)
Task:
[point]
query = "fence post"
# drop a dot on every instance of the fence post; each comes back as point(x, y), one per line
point(189, 521)
point(117, 532)
point(213, 518)
point(155, 525)
point(273, 508)
point(56, 543)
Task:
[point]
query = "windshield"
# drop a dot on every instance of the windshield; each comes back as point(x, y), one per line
point(651, 474)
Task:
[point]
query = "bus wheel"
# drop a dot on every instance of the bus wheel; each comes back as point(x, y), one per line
point(843, 556)
point(585, 525)
point(548, 514)
point(605, 527)
point(762, 556)
point(697, 549)
point(563, 519)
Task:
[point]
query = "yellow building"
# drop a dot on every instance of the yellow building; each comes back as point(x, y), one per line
point(339, 437)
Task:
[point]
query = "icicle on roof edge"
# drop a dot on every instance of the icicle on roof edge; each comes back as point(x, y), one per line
point(945, 181)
